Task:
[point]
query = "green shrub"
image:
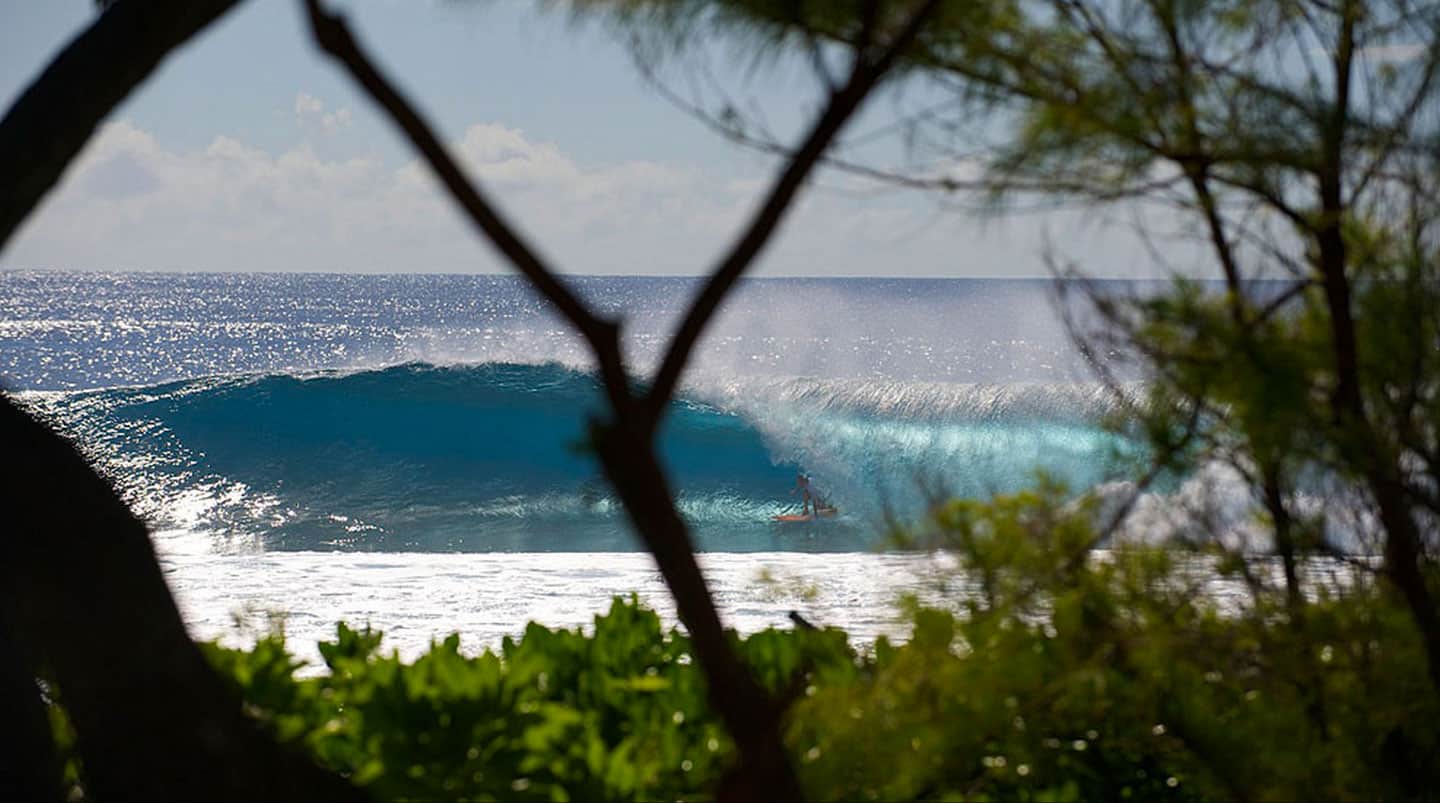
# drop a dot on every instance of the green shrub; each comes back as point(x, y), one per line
point(619, 714)
point(1075, 674)
point(1056, 673)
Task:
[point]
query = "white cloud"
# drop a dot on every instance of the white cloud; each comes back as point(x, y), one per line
point(311, 111)
point(504, 156)
point(129, 202)
point(307, 104)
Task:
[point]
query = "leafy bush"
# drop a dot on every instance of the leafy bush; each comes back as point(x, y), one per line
point(1057, 672)
point(1075, 674)
point(556, 715)
point(1060, 673)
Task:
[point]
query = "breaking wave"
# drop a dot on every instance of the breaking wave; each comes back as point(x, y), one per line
point(489, 457)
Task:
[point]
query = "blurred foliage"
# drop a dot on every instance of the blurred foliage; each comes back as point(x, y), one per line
point(1058, 673)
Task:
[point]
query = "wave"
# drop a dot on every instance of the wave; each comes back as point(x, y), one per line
point(491, 457)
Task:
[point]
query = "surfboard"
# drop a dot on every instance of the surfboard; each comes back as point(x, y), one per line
point(824, 513)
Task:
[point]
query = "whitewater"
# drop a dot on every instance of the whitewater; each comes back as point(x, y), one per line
point(407, 450)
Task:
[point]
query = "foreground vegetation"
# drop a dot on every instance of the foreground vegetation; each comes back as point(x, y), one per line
point(1057, 674)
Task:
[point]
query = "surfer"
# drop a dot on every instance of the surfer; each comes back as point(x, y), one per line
point(812, 505)
point(807, 498)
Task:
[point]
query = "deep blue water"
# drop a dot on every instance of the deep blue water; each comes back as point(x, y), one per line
point(445, 412)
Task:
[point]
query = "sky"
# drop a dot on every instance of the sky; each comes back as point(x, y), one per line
point(249, 151)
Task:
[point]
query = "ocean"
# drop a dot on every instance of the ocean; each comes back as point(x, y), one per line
point(405, 450)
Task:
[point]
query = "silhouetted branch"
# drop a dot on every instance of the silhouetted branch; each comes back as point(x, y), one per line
point(625, 444)
point(83, 594)
point(82, 598)
point(914, 179)
point(864, 76)
point(334, 37)
point(45, 129)
point(29, 767)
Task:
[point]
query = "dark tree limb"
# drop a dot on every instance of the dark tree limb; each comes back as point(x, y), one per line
point(82, 598)
point(603, 336)
point(866, 73)
point(894, 177)
point(45, 129)
point(625, 443)
point(86, 600)
point(752, 718)
point(29, 767)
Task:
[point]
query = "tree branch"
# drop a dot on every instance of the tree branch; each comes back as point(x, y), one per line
point(333, 36)
point(918, 180)
point(82, 597)
point(45, 129)
point(864, 76)
point(626, 444)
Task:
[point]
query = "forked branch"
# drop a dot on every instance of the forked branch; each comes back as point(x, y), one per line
point(626, 444)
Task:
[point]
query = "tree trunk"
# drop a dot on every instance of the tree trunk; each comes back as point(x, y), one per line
point(84, 594)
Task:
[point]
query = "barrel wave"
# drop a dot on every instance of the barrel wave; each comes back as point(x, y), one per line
point(491, 457)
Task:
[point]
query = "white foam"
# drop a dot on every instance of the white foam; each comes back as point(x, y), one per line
point(416, 597)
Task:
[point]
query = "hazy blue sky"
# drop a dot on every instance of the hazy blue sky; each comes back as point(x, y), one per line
point(248, 151)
